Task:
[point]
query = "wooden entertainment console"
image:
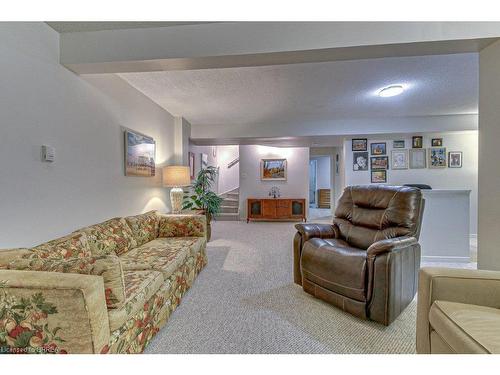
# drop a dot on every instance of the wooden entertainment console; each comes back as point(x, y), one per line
point(275, 209)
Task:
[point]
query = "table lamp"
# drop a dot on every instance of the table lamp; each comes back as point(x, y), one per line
point(175, 176)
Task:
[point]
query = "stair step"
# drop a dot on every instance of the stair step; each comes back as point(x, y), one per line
point(224, 216)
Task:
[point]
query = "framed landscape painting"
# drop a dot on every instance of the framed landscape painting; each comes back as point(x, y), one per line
point(378, 148)
point(359, 144)
point(139, 154)
point(379, 177)
point(379, 162)
point(273, 169)
point(398, 144)
point(437, 157)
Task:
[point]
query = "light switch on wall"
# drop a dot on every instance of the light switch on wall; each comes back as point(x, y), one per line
point(48, 153)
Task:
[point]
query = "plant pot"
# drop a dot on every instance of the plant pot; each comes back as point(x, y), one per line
point(209, 226)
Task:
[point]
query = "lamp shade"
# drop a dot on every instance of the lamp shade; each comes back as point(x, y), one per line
point(176, 175)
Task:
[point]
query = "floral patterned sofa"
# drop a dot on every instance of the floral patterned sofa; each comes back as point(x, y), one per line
point(106, 288)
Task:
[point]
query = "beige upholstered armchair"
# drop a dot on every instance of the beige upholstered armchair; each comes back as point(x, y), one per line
point(458, 311)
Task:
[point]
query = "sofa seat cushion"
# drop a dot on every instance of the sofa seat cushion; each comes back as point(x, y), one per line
point(75, 245)
point(140, 286)
point(336, 266)
point(466, 328)
point(113, 236)
point(144, 227)
point(162, 254)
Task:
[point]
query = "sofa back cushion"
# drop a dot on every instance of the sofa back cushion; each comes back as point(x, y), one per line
point(144, 227)
point(182, 226)
point(75, 245)
point(112, 237)
point(366, 214)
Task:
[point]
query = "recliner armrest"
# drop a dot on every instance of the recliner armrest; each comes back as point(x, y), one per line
point(309, 231)
point(390, 244)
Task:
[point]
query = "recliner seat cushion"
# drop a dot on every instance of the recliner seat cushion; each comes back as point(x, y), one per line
point(334, 265)
point(366, 214)
point(465, 328)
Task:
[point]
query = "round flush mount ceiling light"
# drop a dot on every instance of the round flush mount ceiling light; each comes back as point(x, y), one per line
point(389, 91)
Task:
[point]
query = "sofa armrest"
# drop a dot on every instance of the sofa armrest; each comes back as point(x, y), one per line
point(390, 244)
point(183, 225)
point(475, 287)
point(108, 267)
point(52, 312)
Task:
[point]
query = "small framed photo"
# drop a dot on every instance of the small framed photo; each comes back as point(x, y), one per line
point(399, 159)
point(378, 148)
point(360, 161)
point(360, 144)
point(398, 144)
point(437, 157)
point(417, 141)
point(417, 158)
point(379, 162)
point(437, 142)
point(455, 159)
point(379, 177)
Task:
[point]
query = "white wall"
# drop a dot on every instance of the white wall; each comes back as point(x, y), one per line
point(220, 156)
point(489, 176)
point(445, 178)
point(251, 186)
point(323, 180)
point(41, 102)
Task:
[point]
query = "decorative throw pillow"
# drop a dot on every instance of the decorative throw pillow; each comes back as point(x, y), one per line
point(144, 227)
point(182, 226)
point(74, 245)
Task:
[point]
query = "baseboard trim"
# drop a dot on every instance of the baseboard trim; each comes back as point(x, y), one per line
point(444, 259)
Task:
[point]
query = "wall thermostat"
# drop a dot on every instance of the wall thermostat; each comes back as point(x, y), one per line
point(48, 153)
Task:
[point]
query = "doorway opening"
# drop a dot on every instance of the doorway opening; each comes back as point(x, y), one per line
point(320, 186)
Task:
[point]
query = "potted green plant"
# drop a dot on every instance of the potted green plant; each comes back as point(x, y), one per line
point(201, 196)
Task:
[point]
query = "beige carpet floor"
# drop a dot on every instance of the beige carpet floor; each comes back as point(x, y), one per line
point(245, 301)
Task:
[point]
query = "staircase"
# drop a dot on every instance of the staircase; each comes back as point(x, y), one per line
point(230, 206)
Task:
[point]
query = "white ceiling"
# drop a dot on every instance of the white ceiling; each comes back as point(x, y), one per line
point(72, 27)
point(436, 85)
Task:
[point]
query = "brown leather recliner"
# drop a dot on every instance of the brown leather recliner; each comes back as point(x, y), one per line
point(367, 261)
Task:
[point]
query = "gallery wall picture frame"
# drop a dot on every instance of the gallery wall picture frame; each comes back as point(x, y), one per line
point(378, 148)
point(437, 157)
point(379, 163)
point(359, 144)
point(417, 158)
point(400, 143)
point(399, 159)
point(437, 142)
point(379, 177)
point(273, 169)
point(455, 159)
point(140, 153)
point(360, 161)
point(417, 141)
